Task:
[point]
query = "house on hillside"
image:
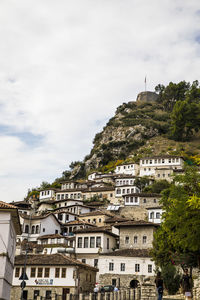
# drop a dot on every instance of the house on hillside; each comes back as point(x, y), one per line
point(47, 194)
point(96, 217)
point(50, 275)
point(136, 234)
point(160, 167)
point(126, 268)
point(90, 242)
point(142, 199)
point(10, 227)
point(34, 226)
point(127, 168)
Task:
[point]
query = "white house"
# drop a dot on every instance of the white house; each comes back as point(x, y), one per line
point(47, 194)
point(120, 191)
point(52, 274)
point(9, 228)
point(127, 168)
point(73, 185)
point(148, 165)
point(155, 214)
point(35, 226)
point(64, 215)
point(126, 268)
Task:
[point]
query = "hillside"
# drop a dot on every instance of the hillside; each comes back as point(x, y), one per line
point(166, 121)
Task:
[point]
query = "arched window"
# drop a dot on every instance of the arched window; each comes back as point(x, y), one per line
point(26, 229)
point(33, 229)
point(37, 229)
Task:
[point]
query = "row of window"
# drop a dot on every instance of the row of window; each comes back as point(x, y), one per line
point(92, 242)
point(45, 193)
point(126, 191)
point(163, 175)
point(94, 221)
point(42, 272)
point(153, 215)
point(160, 160)
point(135, 239)
point(131, 199)
point(35, 229)
point(68, 196)
point(123, 267)
point(125, 167)
point(123, 182)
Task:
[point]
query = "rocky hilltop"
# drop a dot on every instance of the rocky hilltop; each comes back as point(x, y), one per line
point(142, 127)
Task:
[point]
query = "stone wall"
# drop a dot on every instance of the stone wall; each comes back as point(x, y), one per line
point(138, 231)
point(134, 212)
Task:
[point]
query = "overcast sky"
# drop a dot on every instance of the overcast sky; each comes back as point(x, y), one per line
point(65, 66)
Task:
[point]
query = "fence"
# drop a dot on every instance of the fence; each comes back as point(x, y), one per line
point(145, 292)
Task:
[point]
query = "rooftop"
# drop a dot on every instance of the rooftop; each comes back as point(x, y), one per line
point(136, 223)
point(129, 253)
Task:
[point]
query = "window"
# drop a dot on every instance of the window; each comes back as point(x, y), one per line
point(136, 199)
point(56, 231)
point(43, 230)
point(111, 266)
point(149, 268)
point(37, 229)
point(127, 240)
point(128, 191)
point(150, 161)
point(158, 175)
point(135, 239)
point(131, 199)
point(83, 260)
point(144, 169)
point(108, 242)
point(79, 242)
point(98, 242)
point(33, 271)
point(144, 239)
point(144, 201)
point(163, 161)
point(58, 197)
point(60, 217)
point(39, 273)
point(17, 271)
point(85, 242)
point(123, 191)
point(48, 295)
point(62, 196)
point(127, 199)
point(111, 195)
point(154, 200)
point(92, 242)
point(137, 268)
point(149, 169)
point(63, 273)
point(33, 229)
point(96, 262)
point(122, 267)
point(99, 220)
point(163, 175)
point(157, 215)
point(57, 272)
point(114, 281)
point(36, 293)
point(26, 229)
point(152, 215)
point(46, 272)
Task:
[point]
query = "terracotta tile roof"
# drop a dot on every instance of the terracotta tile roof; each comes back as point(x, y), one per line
point(116, 219)
point(99, 189)
point(68, 199)
point(4, 205)
point(96, 213)
point(129, 253)
point(51, 260)
point(78, 222)
point(136, 223)
point(143, 195)
point(96, 203)
point(154, 207)
point(95, 230)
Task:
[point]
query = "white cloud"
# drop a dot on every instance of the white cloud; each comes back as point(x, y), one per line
point(66, 66)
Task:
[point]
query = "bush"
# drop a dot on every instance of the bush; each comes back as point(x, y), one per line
point(171, 278)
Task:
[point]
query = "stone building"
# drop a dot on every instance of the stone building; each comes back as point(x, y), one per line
point(136, 234)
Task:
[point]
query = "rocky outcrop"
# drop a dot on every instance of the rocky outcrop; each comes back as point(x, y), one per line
point(147, 97)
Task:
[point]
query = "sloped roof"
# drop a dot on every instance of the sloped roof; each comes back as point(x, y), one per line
point(95, 230)
point(51, 260)
point(129, 253)
point(136, 223)
point(6, 205)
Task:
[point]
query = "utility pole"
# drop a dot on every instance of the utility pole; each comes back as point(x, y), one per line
point(145, 83)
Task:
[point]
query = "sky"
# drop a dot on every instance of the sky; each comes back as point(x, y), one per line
point(65, 66)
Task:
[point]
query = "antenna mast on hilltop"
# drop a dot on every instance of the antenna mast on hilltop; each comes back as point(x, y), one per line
point(145, 83)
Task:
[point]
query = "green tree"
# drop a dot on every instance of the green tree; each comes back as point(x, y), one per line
point(157, 187)
point(178, 235)
point(171, 278)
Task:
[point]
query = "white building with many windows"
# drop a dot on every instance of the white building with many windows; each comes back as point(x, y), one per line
point(50, 275)
point(127, 168)
point(126, 268)
point(149, 166)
